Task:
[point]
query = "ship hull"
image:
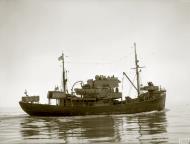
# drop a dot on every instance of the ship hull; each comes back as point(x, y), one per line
point(128, 108)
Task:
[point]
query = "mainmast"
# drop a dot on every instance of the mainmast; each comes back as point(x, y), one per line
point(64, 80)
point(137, 70)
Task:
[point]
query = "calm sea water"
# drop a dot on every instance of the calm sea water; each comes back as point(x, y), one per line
point(169, 126)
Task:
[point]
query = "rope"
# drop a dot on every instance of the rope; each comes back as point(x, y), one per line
point(122, 84)
point(110, 62)
point(140, 79)
point(130, 88)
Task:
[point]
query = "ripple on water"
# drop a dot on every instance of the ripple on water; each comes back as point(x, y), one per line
point(153, 127)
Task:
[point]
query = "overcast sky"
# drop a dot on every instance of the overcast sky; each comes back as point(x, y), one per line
point(97, 37)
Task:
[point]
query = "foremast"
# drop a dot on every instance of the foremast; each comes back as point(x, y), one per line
point(64, 80)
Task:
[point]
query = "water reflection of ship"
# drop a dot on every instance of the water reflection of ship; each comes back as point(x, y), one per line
point(94, 128)
point(28, 129)
point(142, 128)
point(150, 127)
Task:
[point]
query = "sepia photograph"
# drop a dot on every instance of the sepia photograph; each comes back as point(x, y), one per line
point(94, 71)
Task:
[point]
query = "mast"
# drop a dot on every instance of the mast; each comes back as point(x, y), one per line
point(64, 80)
point(137, 70)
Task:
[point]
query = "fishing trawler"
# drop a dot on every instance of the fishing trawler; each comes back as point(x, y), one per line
point(97, 96)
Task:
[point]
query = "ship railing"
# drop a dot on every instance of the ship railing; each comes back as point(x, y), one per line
point(31, 99)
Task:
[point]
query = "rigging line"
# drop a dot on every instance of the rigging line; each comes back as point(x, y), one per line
point(131, 85)
point(89, 62)
point(110, 62)
point(122, 84)
point(140, 79)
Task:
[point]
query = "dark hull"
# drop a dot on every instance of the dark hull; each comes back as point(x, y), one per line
point(128, 108)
